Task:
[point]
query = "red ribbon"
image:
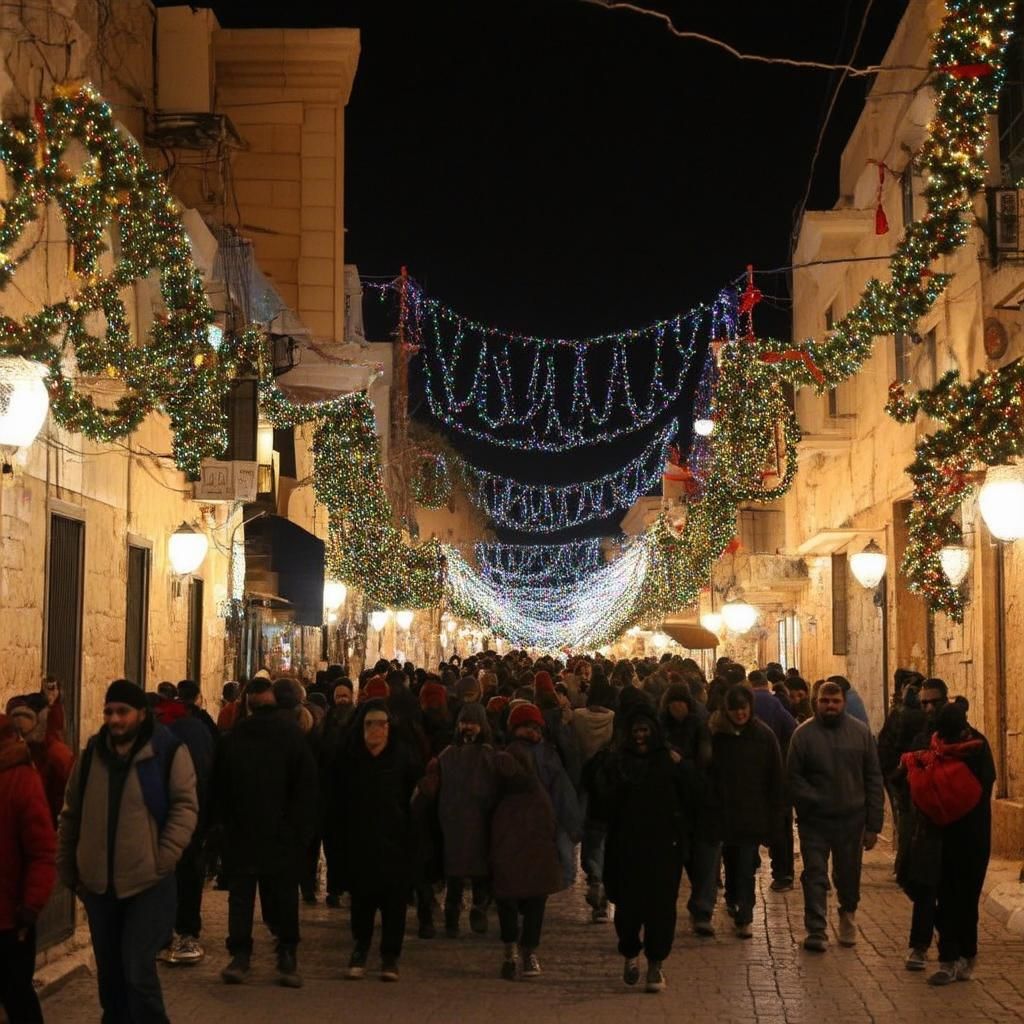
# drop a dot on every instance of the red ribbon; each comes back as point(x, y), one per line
point(967, 70)
point(794, 355)
point(881, 221)
point(751, 294)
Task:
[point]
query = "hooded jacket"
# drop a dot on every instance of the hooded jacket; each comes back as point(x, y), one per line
point(144, 852)
point(27, 839)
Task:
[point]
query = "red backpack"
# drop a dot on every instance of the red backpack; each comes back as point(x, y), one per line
point(942, 786)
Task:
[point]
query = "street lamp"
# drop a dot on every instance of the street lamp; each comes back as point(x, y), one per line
point(868, 566)
point(703, 426)
point(1001, 500)
point(379, 619)
point(404, 618)
point(739, 616)
point(956, 562)
point(335, 593)
point(187, 549)
point(24, 401)
point(712, 621)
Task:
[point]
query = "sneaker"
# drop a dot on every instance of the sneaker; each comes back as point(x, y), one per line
point(816, 942)
point(744, 931)
point(478, 918)
point(946, 974)
point(847, 928)
point(287, 968)
point(917, 960)
point(510, 965)
point(782, 885)
point(169, 954)
point(965, 968)
point(631, 971)
point(357, 964)
point(531, 965)
point(235, 972)
point(188, 951)
point(599, 915)
point(703, 927)
point(655, 978)
point(389, 968)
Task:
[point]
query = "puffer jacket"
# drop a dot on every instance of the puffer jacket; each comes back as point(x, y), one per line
point(144, 852)
point(27, 839)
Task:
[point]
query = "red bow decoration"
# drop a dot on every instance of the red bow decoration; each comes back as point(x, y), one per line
point(732, 547)
point(881, 221)
point(961, 71)
point(749, 298)
point(794, 355)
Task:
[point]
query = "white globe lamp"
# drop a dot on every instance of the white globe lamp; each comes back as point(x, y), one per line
point(703, 427)
point(712, 621)
point(956, 562)
point(404, 618)
point(868, 566)
point(379, 619)
point(187, 549)
point(739, 616)
point(24, 401)
point(1001, 500)
point(335, 593)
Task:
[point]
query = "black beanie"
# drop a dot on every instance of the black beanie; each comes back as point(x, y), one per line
point(124, 691)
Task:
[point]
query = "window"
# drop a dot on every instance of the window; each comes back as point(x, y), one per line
point(839, 618)
point(243, 417)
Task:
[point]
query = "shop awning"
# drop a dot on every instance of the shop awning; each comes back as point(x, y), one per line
point(297, 559)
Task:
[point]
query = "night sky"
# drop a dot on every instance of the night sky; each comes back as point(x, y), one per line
point(557, 168)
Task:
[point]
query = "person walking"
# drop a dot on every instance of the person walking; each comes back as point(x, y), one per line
point(266, 800)
point(524, 860)
point(780, 720)
point(50, 754)
point(746, 769)
point(27, 873)
point(643, 788)
point(373, 787)
point(129, 813)
point(835, 784)
point(462, 781)
point(951, 789)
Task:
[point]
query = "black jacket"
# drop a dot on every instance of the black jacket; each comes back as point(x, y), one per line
point(266, 794)
point(748, 781)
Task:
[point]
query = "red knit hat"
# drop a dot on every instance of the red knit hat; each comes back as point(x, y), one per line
point(497, 704)
point(375, 688)
point(525, 714)
point(433, 695)
point(543, 683)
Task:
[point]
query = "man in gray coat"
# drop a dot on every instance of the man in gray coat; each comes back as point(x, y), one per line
point(835, 784)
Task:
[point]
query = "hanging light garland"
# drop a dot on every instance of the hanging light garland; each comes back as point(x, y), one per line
point(536, 416)
point(525, 565)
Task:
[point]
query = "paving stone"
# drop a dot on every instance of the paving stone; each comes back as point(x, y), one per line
point(765, 980)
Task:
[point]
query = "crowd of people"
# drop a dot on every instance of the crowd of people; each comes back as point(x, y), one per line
point(491, 782)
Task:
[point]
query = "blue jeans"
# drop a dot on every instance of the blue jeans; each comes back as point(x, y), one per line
point(702, 871)
point(741, 862)
point(126, 935)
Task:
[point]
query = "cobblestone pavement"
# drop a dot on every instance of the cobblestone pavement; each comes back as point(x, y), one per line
point(767, 980)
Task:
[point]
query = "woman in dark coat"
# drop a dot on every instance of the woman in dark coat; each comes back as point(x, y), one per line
point(746, 770)
point(375, 779)
point(525, 867)
point(644, 792)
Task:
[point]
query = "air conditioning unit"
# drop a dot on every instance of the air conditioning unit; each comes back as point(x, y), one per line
point(225, 481)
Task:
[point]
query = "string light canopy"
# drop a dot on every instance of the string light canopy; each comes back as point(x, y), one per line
point(524, 565)
point(548, 508)
point(506, 388)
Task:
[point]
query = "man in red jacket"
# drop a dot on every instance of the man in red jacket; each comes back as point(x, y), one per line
point(27, 872)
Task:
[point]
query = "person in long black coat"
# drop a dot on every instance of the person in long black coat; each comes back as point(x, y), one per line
point(372, 822)
point(646, 793)
point(265, 786)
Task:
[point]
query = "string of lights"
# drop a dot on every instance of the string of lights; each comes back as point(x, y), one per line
point(548, 508)
point(527, 409)
point(527, 565)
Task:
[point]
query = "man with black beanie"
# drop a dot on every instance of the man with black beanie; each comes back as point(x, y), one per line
point(129, 813)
